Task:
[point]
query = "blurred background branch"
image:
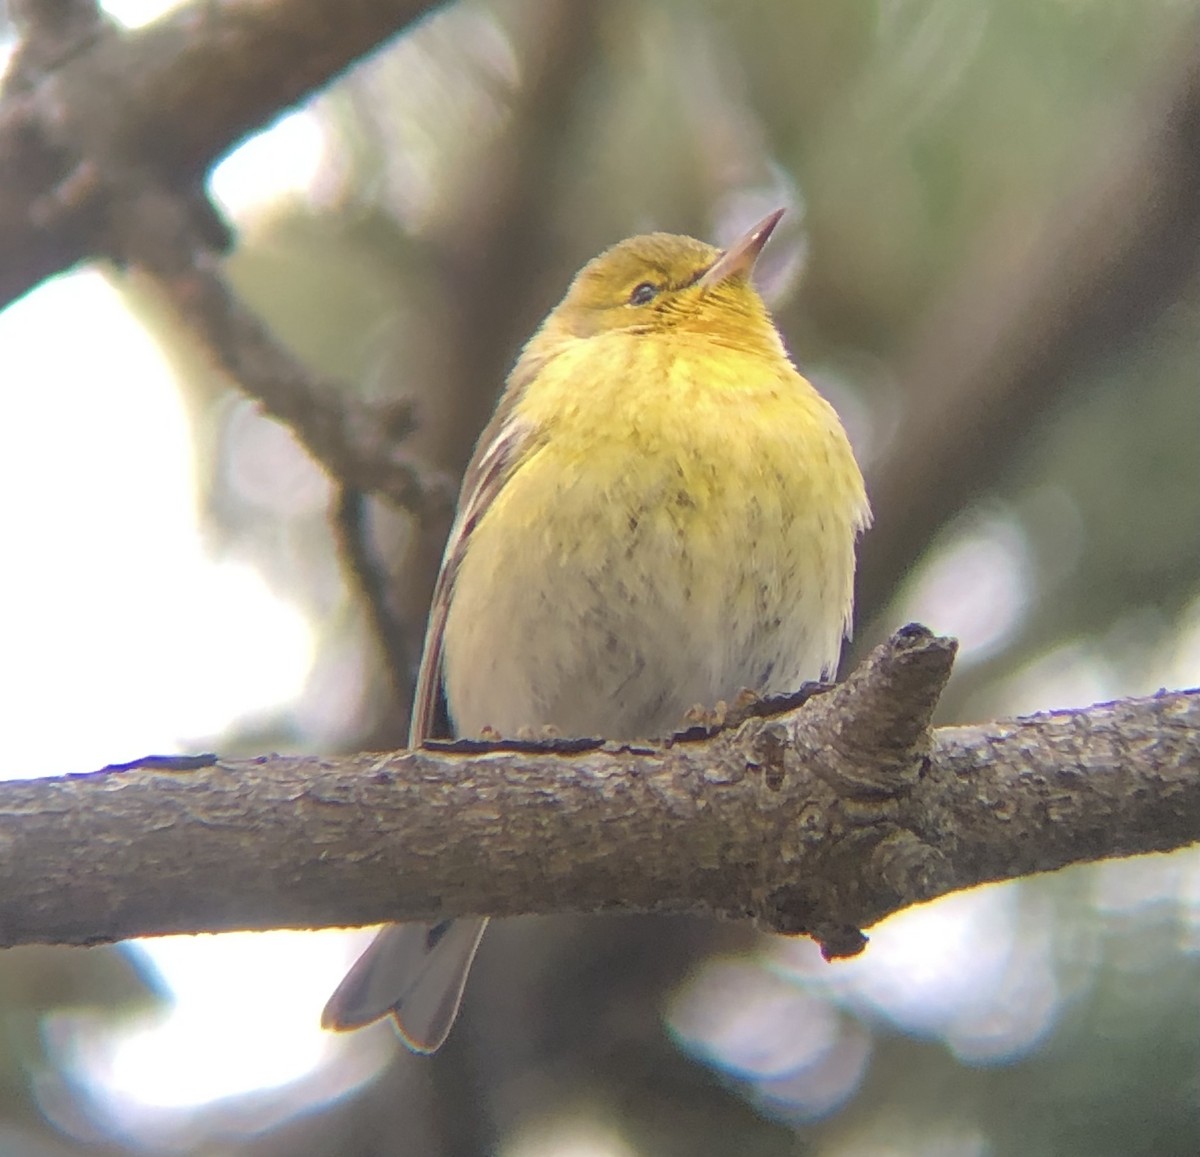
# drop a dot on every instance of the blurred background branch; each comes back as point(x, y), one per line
point(1029, 316)
point(169, 98)
point(359, 441)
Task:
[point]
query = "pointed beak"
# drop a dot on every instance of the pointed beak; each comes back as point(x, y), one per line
point(738, 260)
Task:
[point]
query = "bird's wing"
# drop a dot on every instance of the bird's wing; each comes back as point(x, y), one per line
point(417, 971)
point(502, 445)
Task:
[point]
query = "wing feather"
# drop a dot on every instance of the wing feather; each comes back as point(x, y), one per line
point(502, 445)
point(417, 971)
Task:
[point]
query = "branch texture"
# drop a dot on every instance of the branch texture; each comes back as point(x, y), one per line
point(820, 819)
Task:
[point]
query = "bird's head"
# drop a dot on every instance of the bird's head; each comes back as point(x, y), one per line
point(663, 283)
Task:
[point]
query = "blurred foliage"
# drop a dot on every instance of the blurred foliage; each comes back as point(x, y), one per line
point(39, 985)
point(473, 165)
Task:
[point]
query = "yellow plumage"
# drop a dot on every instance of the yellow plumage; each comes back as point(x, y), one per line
point(683, 528)
point(661, 512)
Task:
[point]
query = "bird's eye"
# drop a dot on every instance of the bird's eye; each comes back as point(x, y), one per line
point(643, 293)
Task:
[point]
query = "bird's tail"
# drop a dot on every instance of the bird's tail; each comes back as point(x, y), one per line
point(417, 973)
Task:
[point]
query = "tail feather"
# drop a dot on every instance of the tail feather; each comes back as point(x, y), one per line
point(415, 972)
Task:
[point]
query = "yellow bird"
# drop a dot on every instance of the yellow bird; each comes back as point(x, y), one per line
point(661, 512)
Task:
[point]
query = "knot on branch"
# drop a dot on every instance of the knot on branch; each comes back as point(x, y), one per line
point(907, 866)
point(869, 737)
point(868, 740)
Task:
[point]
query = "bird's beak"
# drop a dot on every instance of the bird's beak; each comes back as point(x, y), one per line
point(738, 260)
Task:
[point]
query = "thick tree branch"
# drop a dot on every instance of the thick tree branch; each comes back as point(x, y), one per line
point(168, 99)
point(821, 819)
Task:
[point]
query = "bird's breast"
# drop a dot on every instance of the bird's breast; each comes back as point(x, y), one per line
point(676, 533)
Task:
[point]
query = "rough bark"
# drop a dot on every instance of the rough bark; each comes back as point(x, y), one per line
point(820, 819)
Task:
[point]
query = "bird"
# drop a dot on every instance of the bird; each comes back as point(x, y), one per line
point(661, 513)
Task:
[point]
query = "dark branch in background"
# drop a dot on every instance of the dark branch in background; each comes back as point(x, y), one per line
point(130, 183)
point(359, 441)
point(107, 172)
point(350, 518)
point(49, 33)
point(169, 99)
point(821, 820)
point(999, 351)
